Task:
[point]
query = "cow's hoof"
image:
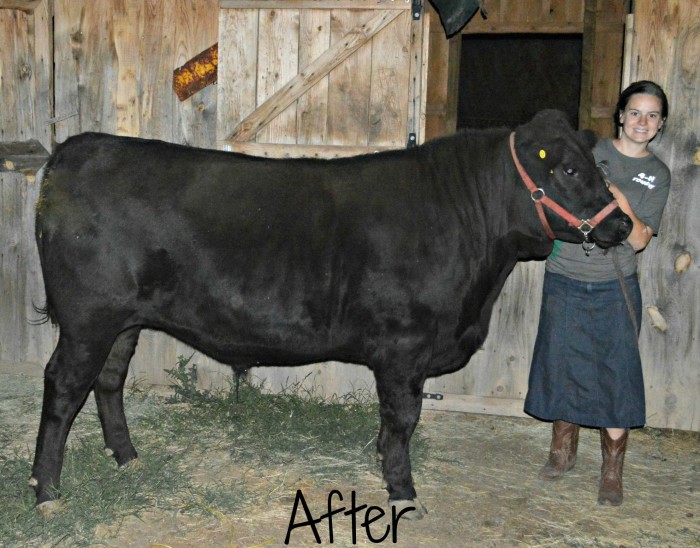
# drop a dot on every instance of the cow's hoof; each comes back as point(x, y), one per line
point(417, 510)
point(49, 508)
point(133, 464)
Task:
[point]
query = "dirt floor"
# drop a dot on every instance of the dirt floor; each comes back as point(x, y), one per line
point(479, 484)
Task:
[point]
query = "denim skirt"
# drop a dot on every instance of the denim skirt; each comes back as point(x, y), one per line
point(586, 367)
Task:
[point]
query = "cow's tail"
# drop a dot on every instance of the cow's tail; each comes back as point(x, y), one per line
point(46, 313)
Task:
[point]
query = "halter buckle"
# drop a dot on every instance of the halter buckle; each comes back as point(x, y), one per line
point(586, 227)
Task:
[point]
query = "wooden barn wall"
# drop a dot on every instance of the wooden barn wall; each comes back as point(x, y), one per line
point(665, 47)
point(113, 73)
point(114, 62)
point(25, 108)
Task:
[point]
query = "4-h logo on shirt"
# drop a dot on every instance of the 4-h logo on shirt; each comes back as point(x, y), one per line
point(646, 180)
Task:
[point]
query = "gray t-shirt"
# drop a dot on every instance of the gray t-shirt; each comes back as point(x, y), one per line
point(645, 182)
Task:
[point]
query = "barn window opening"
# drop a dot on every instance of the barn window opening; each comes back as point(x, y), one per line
point(505, 79)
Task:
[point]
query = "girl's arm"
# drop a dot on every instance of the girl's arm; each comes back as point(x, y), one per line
point(641, 234)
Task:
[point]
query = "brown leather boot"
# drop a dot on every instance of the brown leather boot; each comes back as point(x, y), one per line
point(610, 489)
point(562, 454)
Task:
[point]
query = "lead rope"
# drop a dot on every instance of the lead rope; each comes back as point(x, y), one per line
point(605, 172)
point(625, 291)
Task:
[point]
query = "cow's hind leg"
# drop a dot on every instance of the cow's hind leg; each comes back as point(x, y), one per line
point(70, 374)
point(109, 395)
point(400, 401)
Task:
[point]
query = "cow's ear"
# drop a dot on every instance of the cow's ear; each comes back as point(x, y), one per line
point(589, 137)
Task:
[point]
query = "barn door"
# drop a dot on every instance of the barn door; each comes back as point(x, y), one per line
point(320, 77)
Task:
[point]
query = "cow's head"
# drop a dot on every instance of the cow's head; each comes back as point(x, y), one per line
point(560, 163)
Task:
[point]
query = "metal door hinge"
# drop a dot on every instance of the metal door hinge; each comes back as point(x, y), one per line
point(416, 9)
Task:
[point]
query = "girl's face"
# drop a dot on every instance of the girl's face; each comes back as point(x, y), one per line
point(641, 120)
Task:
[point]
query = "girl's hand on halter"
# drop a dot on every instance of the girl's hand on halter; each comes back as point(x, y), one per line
point(641, 234)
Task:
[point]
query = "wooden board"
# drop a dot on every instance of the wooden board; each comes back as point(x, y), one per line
point(603, 39)
point(24, 5)
point(526, 16)
point(666, 48)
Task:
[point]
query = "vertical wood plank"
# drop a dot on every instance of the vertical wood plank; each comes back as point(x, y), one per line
point(17, 76)
point(42, 45)
point(349, 85)
point(98, 67)
point(68, 40)
point(128, 32)
point(193, 26)
point(154, 69)
point(278, 62)
point(443, 80)
point(665, 50)
point(11, 276)
point(418, 77)
point(390, 83)
point(312, 107)
point(38, 341)
point(237, 68)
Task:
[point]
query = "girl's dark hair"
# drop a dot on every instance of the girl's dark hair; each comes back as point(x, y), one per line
point(643, 86)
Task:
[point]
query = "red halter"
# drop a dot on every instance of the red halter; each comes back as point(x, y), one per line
point(538, 196)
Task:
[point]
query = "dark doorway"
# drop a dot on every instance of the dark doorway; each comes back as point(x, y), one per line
point(506, 79)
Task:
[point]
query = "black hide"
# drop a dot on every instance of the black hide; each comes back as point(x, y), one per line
point(390, 260)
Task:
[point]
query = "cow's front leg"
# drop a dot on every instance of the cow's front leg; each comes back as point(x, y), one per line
point(68, 378)
point(400, 401)
point(109, 395)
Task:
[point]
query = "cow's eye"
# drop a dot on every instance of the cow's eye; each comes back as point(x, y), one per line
point(570, 171)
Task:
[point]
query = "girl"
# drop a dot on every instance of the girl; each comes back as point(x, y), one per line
point(586, 368)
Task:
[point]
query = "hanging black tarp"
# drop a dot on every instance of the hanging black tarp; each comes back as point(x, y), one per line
point(454, 14)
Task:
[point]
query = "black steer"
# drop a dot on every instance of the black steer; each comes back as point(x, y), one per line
point(391, 260)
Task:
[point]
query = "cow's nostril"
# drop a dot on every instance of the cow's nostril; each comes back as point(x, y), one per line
point(625, 226)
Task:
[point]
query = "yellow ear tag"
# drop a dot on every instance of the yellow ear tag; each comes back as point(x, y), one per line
point(551, 171)
point(543, 154)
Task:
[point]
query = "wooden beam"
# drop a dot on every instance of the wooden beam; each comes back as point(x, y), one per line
point(571, 27)
point(310, 75)
point(315, 4)
point(24, 5)
point(22, 156)
point(274, 150)
point(509, 407)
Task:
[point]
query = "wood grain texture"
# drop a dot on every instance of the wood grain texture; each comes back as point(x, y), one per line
point(274, 120)
point(238, 54)
point(312, 106)
point(349, 85)
point(315, 4)
point(527, 16)
point(390, 79)
point(25, 5)
point(274, 97)
point(665, 49)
